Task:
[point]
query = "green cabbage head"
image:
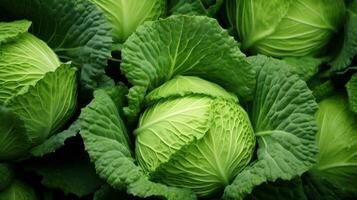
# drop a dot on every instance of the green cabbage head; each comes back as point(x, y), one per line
point(284, 28)
point(37, 93)
point(126, 15)
point(193, 134)
point(337, 142)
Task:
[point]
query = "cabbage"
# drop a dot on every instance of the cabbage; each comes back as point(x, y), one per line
point(284, 28)
point(179, 138)
point(193, 139)
point(37, 93)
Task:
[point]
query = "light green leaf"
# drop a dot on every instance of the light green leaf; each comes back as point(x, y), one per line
point(18, 191)
point(11, 30)
point(286, 28)
point(158, 137)
point(45, 107)
point(13, 139)
point(56, 141)
point(125, 16)
point(283, 119)
point(105, 139)
point(183, 45)
point(252, 20)
point(23, 63)
point(117, 47)
point(6, 175)
point(337, 143)
point(75, 29)
point(352, 92)
point(349, 46)
point(181, 86)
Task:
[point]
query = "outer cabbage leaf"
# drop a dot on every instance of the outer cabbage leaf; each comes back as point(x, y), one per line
point(283, 119)
point(18, 191)
point(279, 190)
point(10, 31)
point(106, 140)
point(349, 48)
point(337, 142)
point(304, 67)
point(6, 175)
point(46, 106)
point(125, 16)
point(75, 29)
point(317, 187)
point(56, 141)
point(352, 93)
point(68, 169)
point(183, 45)
point(213, 7)
point(108, 193)
point(322, 89)
point(194, 7)
point(13, 139)
point(188, 7)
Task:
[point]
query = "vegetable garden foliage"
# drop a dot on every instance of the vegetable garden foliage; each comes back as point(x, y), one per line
point(178, 100)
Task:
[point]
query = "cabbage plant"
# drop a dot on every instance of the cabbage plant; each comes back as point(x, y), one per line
point(284, 28)
point(37, 92)
point(125, 16)
point(192, 90)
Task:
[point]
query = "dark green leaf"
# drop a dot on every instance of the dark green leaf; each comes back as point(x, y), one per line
point(283, 119)
point(6, 175)
point(183, 45)
point(352, 92)
point(349, 48)
point(56, 141)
